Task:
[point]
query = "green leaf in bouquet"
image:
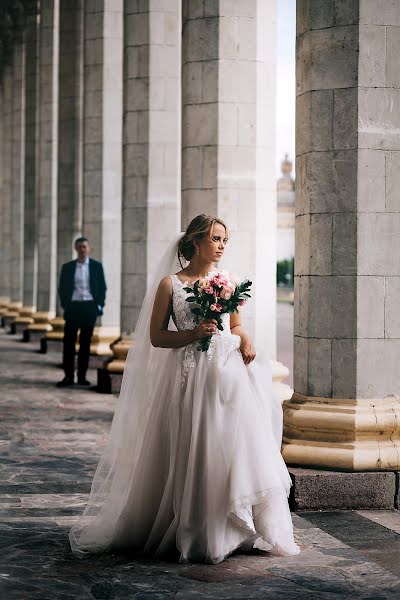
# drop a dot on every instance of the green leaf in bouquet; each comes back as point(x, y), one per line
point(219, 326)
point(191, 299)
point(197, 311)
point(189, 290)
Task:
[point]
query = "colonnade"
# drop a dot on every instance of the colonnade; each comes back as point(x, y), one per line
point(121, 120)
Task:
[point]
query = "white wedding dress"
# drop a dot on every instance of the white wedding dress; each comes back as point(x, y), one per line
point(205, 475)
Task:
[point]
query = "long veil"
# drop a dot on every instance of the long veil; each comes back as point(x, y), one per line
point(147, 368)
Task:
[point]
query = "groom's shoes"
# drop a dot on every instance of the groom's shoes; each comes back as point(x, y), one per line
point(66, 382)
point(83, 381)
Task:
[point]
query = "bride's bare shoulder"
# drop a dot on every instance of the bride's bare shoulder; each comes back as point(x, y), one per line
point(165, 285)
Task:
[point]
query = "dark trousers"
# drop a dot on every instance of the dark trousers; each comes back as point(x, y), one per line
point(78, 315)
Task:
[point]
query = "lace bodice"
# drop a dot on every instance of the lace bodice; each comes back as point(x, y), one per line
point(182, 314)
point(222, 343)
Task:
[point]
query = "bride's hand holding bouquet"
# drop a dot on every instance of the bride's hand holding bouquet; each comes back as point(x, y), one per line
point(214, 296)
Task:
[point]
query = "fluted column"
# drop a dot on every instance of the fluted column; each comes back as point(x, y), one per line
point(47, 167)
point(345, 412)
point(102, 154)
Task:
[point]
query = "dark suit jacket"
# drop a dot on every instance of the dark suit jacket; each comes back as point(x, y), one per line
point(96, 278)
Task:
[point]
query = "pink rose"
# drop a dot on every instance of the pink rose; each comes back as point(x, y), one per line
point(203, 283)
point(219, 280)
point(241, 302)
point(226, 293)
point(209, 290)
point(213, 307)
point(218, 308)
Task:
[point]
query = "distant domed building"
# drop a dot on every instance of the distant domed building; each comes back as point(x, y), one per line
point(285, 211)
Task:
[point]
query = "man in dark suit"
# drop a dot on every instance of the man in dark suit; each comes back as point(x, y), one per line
point(82, 291)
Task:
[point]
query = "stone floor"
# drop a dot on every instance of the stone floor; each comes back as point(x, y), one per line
point(50, 441)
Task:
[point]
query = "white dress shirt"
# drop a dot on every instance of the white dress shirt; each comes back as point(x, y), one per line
point(82, 282)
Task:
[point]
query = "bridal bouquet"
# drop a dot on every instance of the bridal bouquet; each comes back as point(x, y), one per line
point(214, 296)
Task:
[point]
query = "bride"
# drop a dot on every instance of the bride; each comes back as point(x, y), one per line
point(193, 462)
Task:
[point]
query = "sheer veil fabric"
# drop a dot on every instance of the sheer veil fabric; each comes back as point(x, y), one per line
point(193, 459)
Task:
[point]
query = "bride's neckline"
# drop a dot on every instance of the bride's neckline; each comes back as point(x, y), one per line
point(197, 278)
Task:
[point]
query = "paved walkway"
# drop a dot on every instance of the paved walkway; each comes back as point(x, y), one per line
point(50, 441)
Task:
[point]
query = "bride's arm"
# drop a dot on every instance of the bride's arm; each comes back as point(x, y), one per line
point(160, 336)
point(246, 346)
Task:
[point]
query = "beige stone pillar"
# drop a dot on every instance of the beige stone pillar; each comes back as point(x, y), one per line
point(69, 221)
point(345, 412)
point(6, 87)
point(69, 180)
point(102, 154)
point(3, 299)
point(17, 182)
point(29, 176)
point(228, 144)
point(47, 168)
point(151, 166)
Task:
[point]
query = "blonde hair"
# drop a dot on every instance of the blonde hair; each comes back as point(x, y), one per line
point(198, 228)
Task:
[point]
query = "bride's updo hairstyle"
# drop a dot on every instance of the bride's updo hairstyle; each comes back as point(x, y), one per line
point(198, 228)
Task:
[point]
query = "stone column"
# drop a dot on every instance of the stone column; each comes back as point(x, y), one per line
point(346, 410)
point(151, 166)
point(18, 175)
point(47, 171)
point(69, 224)
point(102, 154)
point(17, 184)
point(69, 181)
point(6, 188)
point(29, 167)
point(228, 144)
point(3, 299)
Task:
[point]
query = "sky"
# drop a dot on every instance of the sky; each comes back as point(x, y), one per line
point(285, 82)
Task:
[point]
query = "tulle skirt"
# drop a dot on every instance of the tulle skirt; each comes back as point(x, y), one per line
point(209, 476)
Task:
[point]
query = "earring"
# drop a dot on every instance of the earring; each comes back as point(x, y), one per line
point(197, 252)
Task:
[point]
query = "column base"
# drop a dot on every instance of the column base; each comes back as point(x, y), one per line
point(11, 313)
point(344, 434)
point(23, 319)
point(39, 327)
point(53, 339)
point(100, 347)
point(102, 339)
point(57, 332)
point(4, 303)
point(109, 377)
point(279, 373)
point(120, 351)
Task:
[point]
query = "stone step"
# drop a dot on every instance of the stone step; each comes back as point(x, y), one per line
point(314, 489)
